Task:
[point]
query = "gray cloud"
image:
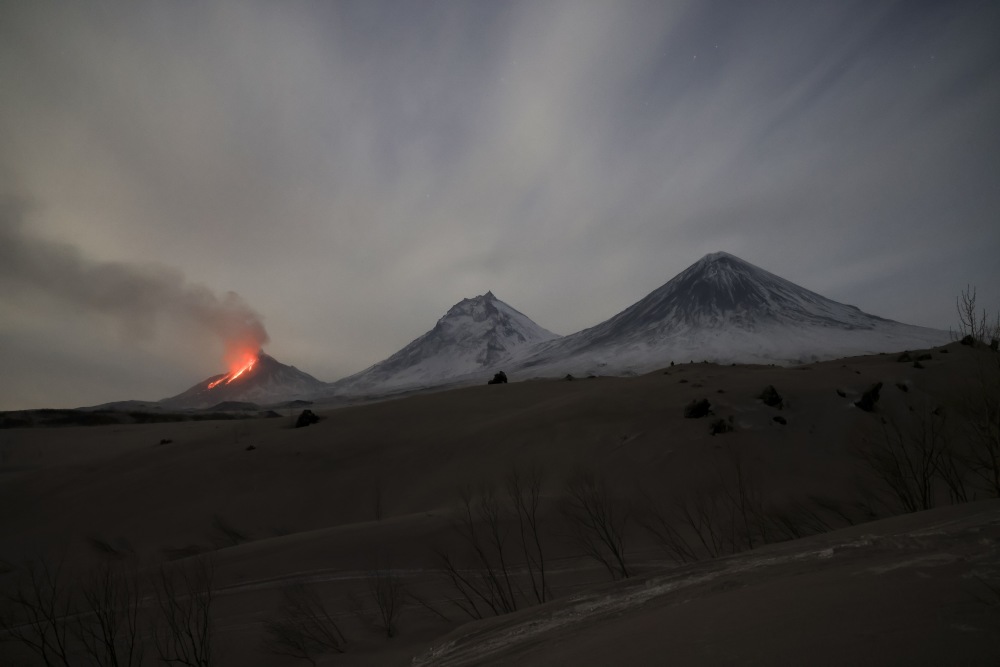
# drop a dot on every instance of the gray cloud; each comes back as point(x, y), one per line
point(134, 295)
point(354, 168)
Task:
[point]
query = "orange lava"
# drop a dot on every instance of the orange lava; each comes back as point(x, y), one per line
point(246, 365)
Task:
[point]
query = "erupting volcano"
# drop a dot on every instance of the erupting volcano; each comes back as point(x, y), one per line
point(244, 366)
point(253, 377)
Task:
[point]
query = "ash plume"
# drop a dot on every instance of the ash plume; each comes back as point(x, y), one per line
point(134, 294)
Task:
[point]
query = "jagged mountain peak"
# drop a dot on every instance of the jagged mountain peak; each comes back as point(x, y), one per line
point(477, 334)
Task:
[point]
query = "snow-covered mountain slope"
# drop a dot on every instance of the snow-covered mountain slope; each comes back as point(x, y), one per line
point(267, 381)
point(475, 338)
point(725, 309)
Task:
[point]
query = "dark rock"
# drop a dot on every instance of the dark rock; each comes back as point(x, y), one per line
point(902, 387)
point(968, 340)
point(698, 409)
point(166, 441)
point(569, 378)
point(926, 356)
point(250, 448)
point(306, 418)
point(683, 381)
point(721, 426)
point(771, 397)
point(917, 364)
point(591, 377)
point(841, 393)
point(869, 398)
point(720, 391)
point(781, 420)
point(499, 378)
point(942, 351)
point(904, 357)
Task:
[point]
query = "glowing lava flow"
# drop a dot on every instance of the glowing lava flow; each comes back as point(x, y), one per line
point(248, 366)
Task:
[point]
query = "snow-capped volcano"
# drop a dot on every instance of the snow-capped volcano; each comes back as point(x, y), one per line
point(476, 336)
point(267, 380)
point(725, 309)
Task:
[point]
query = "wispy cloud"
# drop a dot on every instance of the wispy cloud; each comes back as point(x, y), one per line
point(353, 169)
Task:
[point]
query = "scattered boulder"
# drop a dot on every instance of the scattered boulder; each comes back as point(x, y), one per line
point(841, 393)
point(902, 387)
point(166, 441)
point(781, 420)
point(869, 398)
point(943, 351)
point(250, 448)
point(683, 381)
point(499, 378)
point(771, 397)
point(306, 418)
point(917, 364)
point(905, 356)
point(569, 377)
point(698, 409)
point(967, 340)
point(926, 356)
point(721, 426)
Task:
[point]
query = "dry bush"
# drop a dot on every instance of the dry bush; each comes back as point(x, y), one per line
point(499, 535)
point(109, 631)
point(43, 607)
point(183, 595)
point(303, 627)
point(597, 521)
point(524, 491)
point(388, 593)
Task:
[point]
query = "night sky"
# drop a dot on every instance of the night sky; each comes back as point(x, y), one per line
point(353, 169)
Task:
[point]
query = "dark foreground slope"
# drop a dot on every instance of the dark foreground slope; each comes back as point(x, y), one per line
point(914, 590)
point(373, 489)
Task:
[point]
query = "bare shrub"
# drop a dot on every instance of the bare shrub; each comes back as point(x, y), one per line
point(487, 585)
point(183, 594)
point(109, 631)
point(524, 492)
point(974, 322)
point(597, 522)
point(303, 627)
point(43, 608)
point(912, 460)
point(388, 592)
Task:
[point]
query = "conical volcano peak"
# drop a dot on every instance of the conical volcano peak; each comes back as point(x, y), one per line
point(715, 256)
point(263, 380)
point(714, 262)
